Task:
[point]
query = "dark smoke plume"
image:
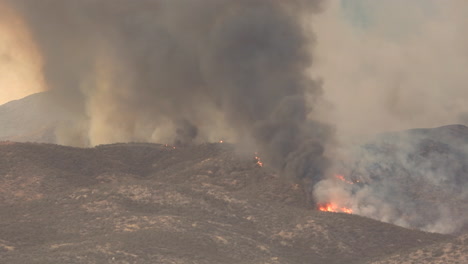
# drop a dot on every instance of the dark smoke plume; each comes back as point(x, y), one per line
point(171, 69)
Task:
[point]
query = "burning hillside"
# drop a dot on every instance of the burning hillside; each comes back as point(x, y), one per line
point(149, 203)
point(192, 73)
point(162, 71)
point(416, 179)
point(333, 207)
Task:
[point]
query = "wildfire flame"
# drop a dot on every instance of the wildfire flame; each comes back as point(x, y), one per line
point(337, 206)
point(168, 146)
point(343, 179)
point(258, 160)
point(330, 207)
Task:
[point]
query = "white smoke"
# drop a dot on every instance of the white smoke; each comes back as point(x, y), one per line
point(392, 65)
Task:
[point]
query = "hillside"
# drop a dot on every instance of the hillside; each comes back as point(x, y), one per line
point(31, 119)
point(148, 203)
point(416, 178)
point(454, 251)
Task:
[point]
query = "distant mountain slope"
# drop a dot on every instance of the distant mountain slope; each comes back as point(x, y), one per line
point(416, 178)
point(147, 203)
point(32, 119)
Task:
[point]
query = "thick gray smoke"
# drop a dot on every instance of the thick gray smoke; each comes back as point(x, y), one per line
point(156, 70)
point(190, 71)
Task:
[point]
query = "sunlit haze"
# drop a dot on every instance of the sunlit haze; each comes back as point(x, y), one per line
point(19, 61)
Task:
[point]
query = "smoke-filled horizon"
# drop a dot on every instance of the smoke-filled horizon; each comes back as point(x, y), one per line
point(392, 65)
point(386, 66)
point(184, 71)
point(247, 71)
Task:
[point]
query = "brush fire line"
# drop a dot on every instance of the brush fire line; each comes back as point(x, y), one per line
point(333, 206)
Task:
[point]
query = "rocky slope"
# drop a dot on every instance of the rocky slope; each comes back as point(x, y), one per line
point(148, 203)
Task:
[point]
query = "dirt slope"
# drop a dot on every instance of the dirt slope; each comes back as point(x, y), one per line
point(452, 252)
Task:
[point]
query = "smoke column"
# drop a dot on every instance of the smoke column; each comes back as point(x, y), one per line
point(158, 70)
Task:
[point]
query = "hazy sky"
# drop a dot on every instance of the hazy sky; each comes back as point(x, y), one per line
point(386, 64)
point(19, 62)
point(393, 64)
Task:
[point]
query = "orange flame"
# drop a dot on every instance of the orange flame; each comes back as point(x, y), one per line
point(330, 207)
point(168, 146)
point(259, 161)
point(343, 179)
